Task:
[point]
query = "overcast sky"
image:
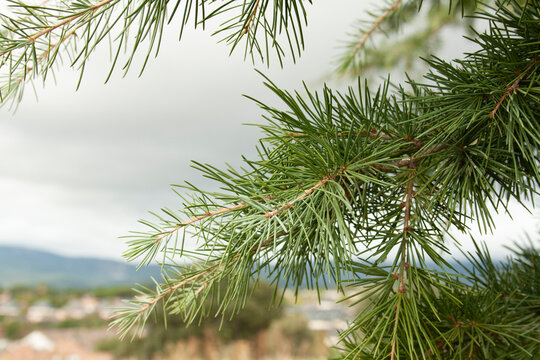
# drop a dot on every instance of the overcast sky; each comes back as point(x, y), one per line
point(78, 168)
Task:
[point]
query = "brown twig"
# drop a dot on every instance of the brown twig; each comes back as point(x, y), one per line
point(381, 167)
point(67, 20)
point(404, 265)
point(46, 54)
point(417, 142)
point(306, 193)
point(175, 287)
point(199, 218)
point(512, 88)
point(374, 134)
point(376, 24)
point(406, 230)
point(61, 23)
point(251, 16)
point(411, 160)
point(171, 289)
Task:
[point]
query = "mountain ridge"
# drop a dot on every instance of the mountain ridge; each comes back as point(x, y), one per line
point(30, 267)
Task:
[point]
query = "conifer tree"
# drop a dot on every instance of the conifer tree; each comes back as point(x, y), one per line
point(360, 187)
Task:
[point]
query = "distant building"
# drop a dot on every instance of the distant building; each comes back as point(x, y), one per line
point(4, 297)
point(37, 341)
point(4, 343)
point(40, 312)
point(10, 308)
point(38, 346)
point(325, 315)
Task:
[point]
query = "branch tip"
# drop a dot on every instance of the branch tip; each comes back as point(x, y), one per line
point(376, 24)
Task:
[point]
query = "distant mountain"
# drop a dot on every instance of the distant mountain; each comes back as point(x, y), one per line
point(22, 266)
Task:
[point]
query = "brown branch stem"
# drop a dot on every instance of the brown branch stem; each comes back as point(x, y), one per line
point(46, 54)
point(251, 16)
point(382, 167)
point(171, 289)
point(411, 160)
point(199, 218)
point(67, 20)
point(306, 193)
point(512, 88)
point(184, 282)
point(374, 134)
point(406, 229)
point(376, 24)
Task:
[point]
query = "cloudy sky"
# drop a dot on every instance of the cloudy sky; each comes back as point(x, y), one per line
point(78, 168)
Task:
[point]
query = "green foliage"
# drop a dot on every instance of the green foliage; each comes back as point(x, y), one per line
point(29, 295)
point(112, 291)
point(490, 314)
point(295, 328)
point(89, 321)
point(256, 315)
point(15, 330)
point(166, 329)
point(381, 44)
point(359, 186)
point(35, 37)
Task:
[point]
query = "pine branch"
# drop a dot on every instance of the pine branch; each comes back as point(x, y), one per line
point(269, 214)
point(46, 30)
point(199, 218)
point(404, 266)
point(251, 16)
point(114, 18)
point(175, 287)
point(137, 314)
point(305, 194)
point(91, 9)
point(512, 88)
point(399, 50)
point(46, 53)
point(376, 23)
point(324, 199)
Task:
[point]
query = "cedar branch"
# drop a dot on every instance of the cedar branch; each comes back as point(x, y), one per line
point(251, 16)
point(306, 193)
point(182, 283)
point(67, 20)
point(171, 289)
point(406, 230)
point(374, 134)
point(199, 218)
point(376, 24)
point(46, 54)
point(382, 167)
point(512, 88)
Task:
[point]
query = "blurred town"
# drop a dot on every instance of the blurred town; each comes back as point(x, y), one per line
point(45, 323)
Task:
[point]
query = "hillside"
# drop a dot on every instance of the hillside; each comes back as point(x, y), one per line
point(22, 266)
